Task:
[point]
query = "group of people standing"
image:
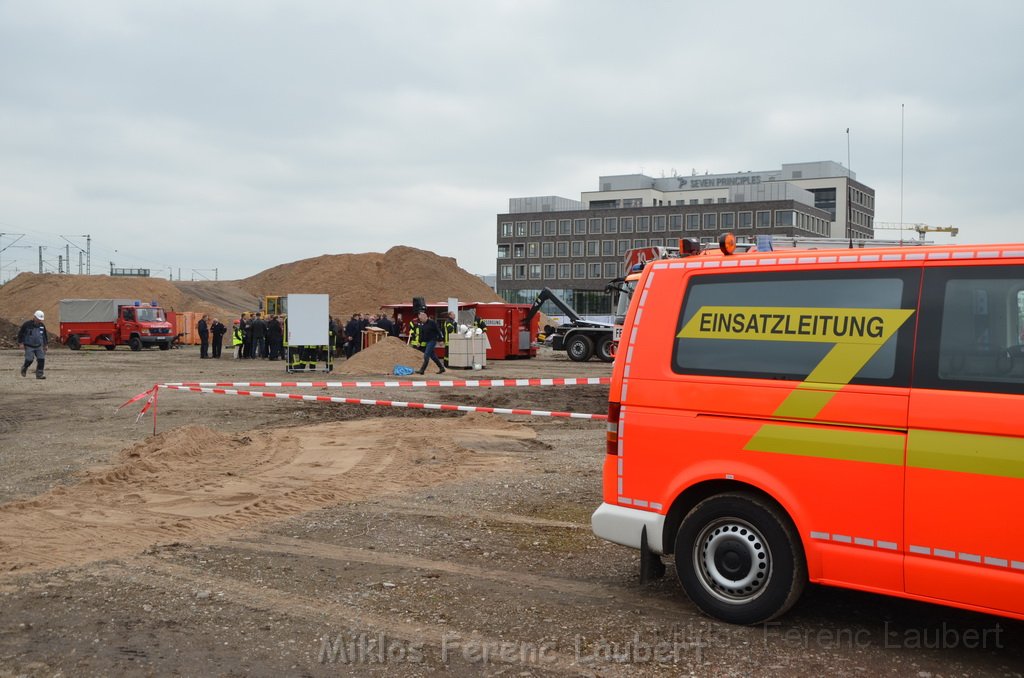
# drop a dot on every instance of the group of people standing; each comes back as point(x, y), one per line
point(252, 336)
point(349, 338)
point(257, 337)
point(205, 328)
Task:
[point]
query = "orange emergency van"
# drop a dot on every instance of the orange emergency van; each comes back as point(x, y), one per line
point(852, 418)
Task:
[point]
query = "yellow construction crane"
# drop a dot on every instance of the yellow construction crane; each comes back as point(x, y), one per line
point(921, 229)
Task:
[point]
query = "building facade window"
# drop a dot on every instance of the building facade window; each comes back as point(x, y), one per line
point(547, 249)
point(621, 247)
point(611, 225)
point(764, 219)
point(640, 242)
point(579, 227)
point(643, 224)
point(595, 226)
point(562, 249)
point(506, 229)
point(550, 227)
point(746, 219)
point(593, 248)
point(675, 222)
point(728, 220)
point(549, 271)
point(534, 271)
point(503, 251)
point(520, 271)
point(506, 272)
point(534, 229)
point(520, 229)
point(579, 271)
point(611, 269)
point(607, 248)
point(785, 218)
point(659, 223)
point(564, 271)
point(519, 250)
point(577, 248)
point(564, 227)
point(657, 242)
point(532, 250)
point(692, 222)
point(627, 224)
point(710, 221)
point(595, 269)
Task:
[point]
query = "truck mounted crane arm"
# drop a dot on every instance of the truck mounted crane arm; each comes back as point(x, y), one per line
point(547, 295)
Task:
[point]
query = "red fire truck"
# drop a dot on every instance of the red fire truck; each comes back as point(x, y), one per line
point(114, 322)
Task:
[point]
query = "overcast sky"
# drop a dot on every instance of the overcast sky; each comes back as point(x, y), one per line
point(201, 135)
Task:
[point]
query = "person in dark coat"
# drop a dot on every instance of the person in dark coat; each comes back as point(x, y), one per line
point(430, 335)
point(259, 337)
point(353, 335)
point(204, 337)
point(386, 324)
point(32, 336)
point(218, 330)
point(275, 337)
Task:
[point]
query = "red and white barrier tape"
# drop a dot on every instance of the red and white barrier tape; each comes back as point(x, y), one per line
point(216, 388)
point(404, 383)
point(386, 403)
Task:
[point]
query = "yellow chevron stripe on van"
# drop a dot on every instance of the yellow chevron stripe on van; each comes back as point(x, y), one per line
point(829, 443)
point(966, 453)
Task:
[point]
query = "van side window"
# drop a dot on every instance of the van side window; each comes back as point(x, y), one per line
point(783, 325)
point(971, 330)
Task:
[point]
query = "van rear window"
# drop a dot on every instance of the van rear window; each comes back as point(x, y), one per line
point(848, 326)
point(973, 318)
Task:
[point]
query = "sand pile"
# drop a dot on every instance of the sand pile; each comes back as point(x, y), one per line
point(8, 334)
point(30, 291)
point(363, 282)
point(381, 358)
point(355, 283)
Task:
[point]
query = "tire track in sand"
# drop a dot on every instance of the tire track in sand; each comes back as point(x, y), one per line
point(192, 483)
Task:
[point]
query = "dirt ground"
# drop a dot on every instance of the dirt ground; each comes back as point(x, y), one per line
point(256, 536)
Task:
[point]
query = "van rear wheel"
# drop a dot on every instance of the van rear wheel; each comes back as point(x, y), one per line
point(73, 343)
point(739, 559)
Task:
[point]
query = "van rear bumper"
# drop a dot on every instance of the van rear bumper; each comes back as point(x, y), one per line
point(625, 526)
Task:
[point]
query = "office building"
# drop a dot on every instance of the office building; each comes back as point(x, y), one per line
point(576, 246)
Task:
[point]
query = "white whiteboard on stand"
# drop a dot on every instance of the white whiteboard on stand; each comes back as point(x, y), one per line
point(308, 318)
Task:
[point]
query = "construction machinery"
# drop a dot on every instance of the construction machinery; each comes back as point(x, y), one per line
point(580, 339)
point(920, 229)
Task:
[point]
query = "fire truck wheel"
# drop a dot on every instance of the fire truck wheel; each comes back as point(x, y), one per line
point(739, 559)
point(604, 349)
point(165, 345)
point(110, 347)
point(73, 343)
point(579, 348)
point(135, 344)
